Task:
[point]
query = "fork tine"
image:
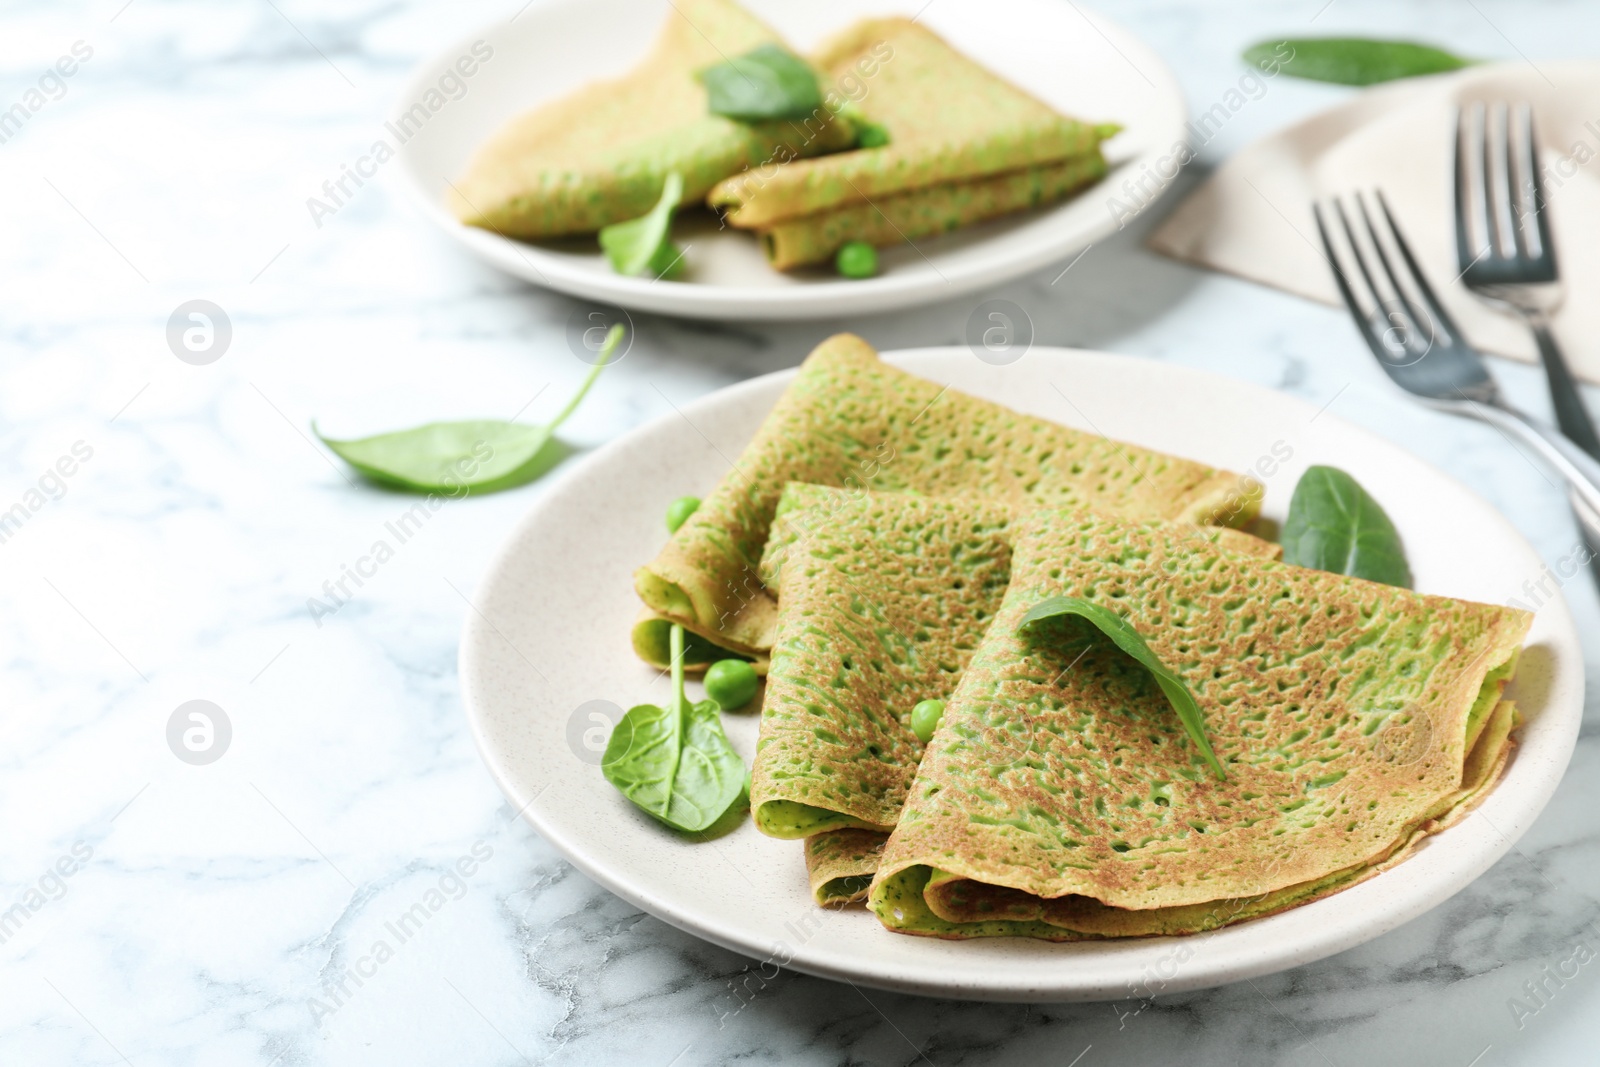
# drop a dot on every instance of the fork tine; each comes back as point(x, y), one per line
point(1544, 248)
point(1474, 139)
point(1524, 242)
point(1434, 309)
point(1502, 198)
point(1423, 337)
point(1465, 256)
point(1360, 257)
point(1362, 319)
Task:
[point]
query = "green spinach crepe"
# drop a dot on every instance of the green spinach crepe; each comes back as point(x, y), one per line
point(883, 598)
point(848, 419)
point(840, 864)
point(1061, 799)
point(808, 239)
point(964, 145)
point(602, 154)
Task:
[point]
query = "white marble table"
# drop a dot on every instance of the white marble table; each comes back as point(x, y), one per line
point(199, 914)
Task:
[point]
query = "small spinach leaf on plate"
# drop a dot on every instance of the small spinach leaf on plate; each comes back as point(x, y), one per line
point(1129, 640)
point(675, 762)
point(1352, 60)
point(474, 455)
point(769, 82)
point(644, 245)
point(1335, 525)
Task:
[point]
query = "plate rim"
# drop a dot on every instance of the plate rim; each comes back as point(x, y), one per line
point(821, 299)
point(1263, 962)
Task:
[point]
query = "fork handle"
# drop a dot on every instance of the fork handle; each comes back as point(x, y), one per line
point(1571, 415)
point(1580, 469)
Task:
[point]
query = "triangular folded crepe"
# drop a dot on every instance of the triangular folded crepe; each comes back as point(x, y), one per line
point(849, 419)
point(600, 155)
point(948, 120)
point(883, 599)
point(1060, 797)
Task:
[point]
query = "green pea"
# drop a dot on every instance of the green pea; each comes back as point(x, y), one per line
point(925, 719)
point(679, 510)
point(731, 683)
point(857, 259)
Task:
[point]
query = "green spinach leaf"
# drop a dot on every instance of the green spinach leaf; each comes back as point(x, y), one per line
point(1335, 525)
point(644, 245)
point(675, 762)
point(1351, 60)
point(1125, 637)
point(475, 455)
point(769, 82)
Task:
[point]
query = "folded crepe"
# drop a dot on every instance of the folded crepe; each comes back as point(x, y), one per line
point(808, 239)
point(840, 865)
point(1061, 799)
point(601, 155)
point(948, 120)
point(883, 598)
point(651, 634)
point(848, 419)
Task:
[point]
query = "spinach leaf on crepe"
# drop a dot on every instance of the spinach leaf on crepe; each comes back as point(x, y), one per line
point(475, 454)
point(1335, 525)
point(768, 82)
point(1352, 60)
point(644, 245)
point(675, 762)
point(1125, 637)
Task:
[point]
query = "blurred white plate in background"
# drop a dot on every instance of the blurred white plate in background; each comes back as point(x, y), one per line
point(1080, 62)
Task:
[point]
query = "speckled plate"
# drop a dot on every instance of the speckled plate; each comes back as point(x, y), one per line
point(547, 663)
point(1079, 61)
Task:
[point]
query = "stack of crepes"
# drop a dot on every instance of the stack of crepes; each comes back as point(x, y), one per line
point(964, 145)
point(1060, 797)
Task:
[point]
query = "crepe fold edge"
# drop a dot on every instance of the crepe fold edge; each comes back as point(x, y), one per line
point(908, 889)
point(840, 865)
point(934, 209)
point(650, 635)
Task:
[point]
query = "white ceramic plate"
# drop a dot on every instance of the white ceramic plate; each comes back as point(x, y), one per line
point(553, 635)
point(1080, 62)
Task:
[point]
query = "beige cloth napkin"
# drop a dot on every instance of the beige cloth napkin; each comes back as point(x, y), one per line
point(1253, 216)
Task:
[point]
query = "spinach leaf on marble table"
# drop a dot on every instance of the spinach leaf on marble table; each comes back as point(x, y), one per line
point(473, 455)
point(1351, 60)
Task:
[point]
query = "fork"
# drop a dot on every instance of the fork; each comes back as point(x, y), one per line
point(1419, 347)
point(1504, 250)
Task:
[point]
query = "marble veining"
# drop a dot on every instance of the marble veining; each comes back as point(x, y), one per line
point(345, 884)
